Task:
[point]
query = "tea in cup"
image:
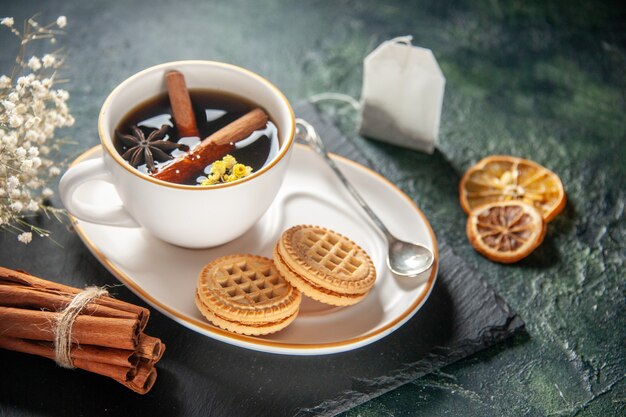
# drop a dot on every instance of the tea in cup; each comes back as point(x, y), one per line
point(167, 181)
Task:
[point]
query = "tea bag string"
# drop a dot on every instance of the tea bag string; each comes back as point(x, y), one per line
point(329, 96)
point(63, 329)
point(354, 103)
point(404, 40)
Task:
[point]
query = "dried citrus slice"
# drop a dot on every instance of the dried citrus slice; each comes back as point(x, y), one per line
point(505, 231)
point(506, 178)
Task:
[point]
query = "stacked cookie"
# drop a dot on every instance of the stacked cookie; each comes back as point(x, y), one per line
point(253, 295)
point(324, 265)
point(246, 294)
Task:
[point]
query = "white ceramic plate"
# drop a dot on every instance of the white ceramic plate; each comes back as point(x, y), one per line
point(165, 275)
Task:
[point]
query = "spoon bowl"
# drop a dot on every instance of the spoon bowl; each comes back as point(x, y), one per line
point(408, 259)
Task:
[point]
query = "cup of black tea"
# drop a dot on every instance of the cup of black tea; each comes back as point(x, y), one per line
point(196, 150)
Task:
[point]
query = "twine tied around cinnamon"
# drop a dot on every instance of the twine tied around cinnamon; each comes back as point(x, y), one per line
point(63, 329)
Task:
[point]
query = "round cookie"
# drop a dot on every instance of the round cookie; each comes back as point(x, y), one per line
point(324, 265)
point(246, 294)
point(320, 294)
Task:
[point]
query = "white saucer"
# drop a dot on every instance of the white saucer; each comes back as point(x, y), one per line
point(165, 275)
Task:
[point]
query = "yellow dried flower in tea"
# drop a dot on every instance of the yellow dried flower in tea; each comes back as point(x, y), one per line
point(226, 170)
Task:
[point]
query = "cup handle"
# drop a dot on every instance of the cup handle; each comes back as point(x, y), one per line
point(84, 172)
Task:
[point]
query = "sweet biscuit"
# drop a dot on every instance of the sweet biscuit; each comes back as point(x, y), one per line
point(317, 293)
point(324, 265)
point(246, 294)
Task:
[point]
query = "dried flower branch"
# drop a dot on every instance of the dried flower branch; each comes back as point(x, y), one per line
point(31, 109)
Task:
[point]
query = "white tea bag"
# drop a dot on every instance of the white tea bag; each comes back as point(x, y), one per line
point(402, 95)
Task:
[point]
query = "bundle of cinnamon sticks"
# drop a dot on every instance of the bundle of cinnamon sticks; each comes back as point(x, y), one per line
point(107, 336)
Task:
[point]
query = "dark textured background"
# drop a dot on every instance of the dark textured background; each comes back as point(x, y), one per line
point(543, 80)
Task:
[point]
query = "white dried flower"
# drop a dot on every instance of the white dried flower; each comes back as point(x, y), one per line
point(48, 128)
point(31, 121)
point(34, 63)
point(7, 21)
point(20, 152)
point(21, 108)
point(48, 60)
point(25, 237)
point(15, 120)
point(31, 109)
point(5, 82)
point(22, 84)
point(8, 105)
point(16, 206)
point(63, 95)
point(26, 164)
point(12, 182)
point(9, 140)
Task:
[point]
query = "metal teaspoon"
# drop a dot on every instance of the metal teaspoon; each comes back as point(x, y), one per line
point(403, 258)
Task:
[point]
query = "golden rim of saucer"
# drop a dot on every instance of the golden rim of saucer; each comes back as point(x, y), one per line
point(108, 145)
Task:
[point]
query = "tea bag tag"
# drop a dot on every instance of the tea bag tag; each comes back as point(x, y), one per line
point(402, 95)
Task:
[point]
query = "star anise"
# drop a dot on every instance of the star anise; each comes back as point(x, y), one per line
point(142, 149)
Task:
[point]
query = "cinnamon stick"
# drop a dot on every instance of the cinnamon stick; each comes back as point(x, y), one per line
point(212, 148)
point(150, 348)
point(89, 330)
point(139, 377)
point(121, 373)
point(109, 356)
point(184, 117)
point(144, 369)
point(41, 299)
point(144, 380)
point(13, 277)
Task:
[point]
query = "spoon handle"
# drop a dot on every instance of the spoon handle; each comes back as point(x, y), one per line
point(307, 133)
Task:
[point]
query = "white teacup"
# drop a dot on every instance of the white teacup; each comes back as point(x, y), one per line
point(184, 215)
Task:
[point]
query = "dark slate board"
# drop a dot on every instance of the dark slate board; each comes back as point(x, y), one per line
point(201, 376)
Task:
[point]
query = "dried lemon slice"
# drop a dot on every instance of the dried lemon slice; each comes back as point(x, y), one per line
point(506, 178)
point(505, 231)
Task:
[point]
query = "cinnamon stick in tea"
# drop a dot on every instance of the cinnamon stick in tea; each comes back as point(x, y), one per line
point(215, 146)
point(181, 103)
